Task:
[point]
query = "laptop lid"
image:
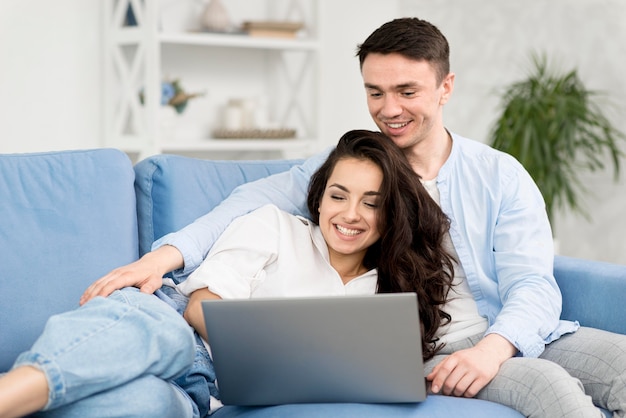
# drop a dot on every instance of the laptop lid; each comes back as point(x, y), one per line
point(363, 349)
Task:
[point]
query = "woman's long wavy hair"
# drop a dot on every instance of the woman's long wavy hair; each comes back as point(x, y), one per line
point(409, 256)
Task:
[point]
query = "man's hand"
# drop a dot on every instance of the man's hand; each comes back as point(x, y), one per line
point(145, 273)
point(466, 372)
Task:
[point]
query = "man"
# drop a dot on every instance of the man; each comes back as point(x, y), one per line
point(505, 303)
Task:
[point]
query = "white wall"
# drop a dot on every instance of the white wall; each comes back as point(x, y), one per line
point(346, 24)
point(50, 77)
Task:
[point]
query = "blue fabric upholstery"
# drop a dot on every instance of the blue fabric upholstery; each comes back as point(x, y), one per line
point(433, 407)
point(172, 191)
point(594, 292)
point(66, 218)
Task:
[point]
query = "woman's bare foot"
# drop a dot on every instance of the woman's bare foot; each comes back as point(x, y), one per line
point(22, 391)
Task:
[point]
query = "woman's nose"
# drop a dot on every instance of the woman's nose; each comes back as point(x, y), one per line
point(352, 214)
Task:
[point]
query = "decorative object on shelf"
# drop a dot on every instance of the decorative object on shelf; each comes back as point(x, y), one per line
point(244, 113)
point(173, 94)
point(233, 115)
point(280, 133)
point(168, 119)
point(246, 118)
point(272, 28)
point(215, 17)
point(552, 125)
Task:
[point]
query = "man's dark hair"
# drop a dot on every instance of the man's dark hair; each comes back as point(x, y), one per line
point(413, 38)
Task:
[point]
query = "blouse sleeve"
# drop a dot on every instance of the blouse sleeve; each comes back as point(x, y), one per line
point(237, 261)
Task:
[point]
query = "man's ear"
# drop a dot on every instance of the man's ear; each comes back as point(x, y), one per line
point(448, 86)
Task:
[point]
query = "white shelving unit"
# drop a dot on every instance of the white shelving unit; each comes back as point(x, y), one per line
point(285, 71)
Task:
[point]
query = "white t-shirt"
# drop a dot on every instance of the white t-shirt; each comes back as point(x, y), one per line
point(461, 306)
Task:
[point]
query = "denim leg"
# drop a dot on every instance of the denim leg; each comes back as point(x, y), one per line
point(108, 343)
point(598, 359)
point(199, 381)
point(146, 396)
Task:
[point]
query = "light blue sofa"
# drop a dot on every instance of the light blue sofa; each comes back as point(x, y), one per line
point(66, 218)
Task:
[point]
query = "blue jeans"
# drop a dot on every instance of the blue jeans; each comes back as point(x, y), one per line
point(116, 356)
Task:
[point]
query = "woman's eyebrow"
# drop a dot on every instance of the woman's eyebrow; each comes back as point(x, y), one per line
point(339, 186)
point(345, 189)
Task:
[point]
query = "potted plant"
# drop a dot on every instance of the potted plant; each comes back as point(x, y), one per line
point(552, 124)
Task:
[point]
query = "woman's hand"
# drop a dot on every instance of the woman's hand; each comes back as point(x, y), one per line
point(466, 372)
point(145, 273)
point(193, 314)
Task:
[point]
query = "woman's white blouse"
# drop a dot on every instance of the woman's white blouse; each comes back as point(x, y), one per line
point(270, 253)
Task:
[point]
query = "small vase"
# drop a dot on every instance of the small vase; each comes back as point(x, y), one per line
point(215, 17)
point(168, 123)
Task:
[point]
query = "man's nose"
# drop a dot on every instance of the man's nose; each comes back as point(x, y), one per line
point(391, 107)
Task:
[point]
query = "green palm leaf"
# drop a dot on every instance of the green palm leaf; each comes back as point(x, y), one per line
point(552, 124)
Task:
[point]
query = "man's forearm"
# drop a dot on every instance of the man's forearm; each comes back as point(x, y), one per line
point(165, 258)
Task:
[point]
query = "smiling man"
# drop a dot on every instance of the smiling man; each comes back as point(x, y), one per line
point(406, 103)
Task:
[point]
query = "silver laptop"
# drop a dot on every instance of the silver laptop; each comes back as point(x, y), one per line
point(364, 349)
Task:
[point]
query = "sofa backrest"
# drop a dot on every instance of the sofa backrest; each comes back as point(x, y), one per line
point(66, 219)
point(593, 292)
point(172, 190)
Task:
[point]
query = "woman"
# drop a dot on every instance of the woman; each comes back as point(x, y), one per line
point(374, 229)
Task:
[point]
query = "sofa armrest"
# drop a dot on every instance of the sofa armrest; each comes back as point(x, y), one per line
point(68, 218)
point(594, 292)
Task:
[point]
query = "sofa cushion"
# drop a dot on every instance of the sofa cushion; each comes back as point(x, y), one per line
point(435, 406)
point(593, 292)
point(66, 218)
point(172, 190)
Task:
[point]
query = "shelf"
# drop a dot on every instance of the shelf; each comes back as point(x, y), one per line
point(237, 41)
point(135, 58)
point(212, 144)
point(290, 148)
